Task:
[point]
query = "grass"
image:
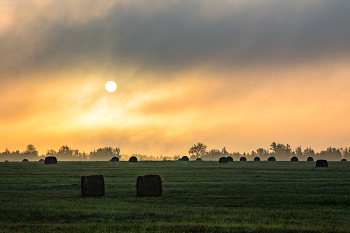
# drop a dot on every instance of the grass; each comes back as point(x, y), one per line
point(197, 197)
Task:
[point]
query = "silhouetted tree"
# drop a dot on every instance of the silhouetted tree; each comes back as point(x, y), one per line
point(197, 150)
point(105, 153)
point(30, 153)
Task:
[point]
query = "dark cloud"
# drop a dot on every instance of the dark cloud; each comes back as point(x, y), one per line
point(173, 36)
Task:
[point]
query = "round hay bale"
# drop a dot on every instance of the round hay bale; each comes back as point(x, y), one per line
point(115, 159)
point(92, 186)
point(223, 160)
point(133, 159)
point(243, 159)
point(343, 160)
point(51, 160)
point(256, 159)
point(6, 161)
point(41, 160)
point(229, 159)
point(321, 163)
point(198, 159)
point(185, 158)
point(149, 186)
point(310, 159)
point(294, 159)
point(271, 158)
point(25, 160)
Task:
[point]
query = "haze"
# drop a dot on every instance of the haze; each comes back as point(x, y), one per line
point(234, 74)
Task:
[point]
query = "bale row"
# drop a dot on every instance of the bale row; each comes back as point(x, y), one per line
point(146, 186)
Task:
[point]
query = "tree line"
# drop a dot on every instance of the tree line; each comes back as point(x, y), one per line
point(280, 151)
point(63, 153)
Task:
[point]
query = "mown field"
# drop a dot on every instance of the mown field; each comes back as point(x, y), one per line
point(197, 197)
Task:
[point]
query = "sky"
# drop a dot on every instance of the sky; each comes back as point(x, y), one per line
point(236, 74)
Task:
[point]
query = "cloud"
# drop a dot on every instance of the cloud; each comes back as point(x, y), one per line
point(174, 36)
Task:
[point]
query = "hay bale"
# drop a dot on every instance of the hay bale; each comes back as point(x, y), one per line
point(133, 159)
point(198, 159)
point(51, 160)
point(229, 159)
point(92, 186)
point(223, 160)
point(321, 163)
point(115, 159)
point(6, 161)
point(343, 160)
point(294, 159)
point(25, 160)
point(256, 159)
point(310, 159)
point(271, 158)
point(41, 160)
point(149, 186)
point(243, 159)
point(185, 158)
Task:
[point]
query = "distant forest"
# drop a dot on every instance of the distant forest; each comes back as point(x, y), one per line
point(280, 151)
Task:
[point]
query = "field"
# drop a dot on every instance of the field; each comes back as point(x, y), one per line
point(197, 197)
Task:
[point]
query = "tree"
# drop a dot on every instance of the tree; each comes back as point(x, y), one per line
point(105, 153)
point(224, 151)
point(30, 152)
point(298, 152)
point(51, 152)
point(197, 150)
point(65, 153)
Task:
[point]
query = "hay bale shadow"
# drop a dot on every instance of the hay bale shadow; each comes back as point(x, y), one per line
point(243, 159)
point(271, 158)
point(294, 159)
point(310, 159)
point(256, 159)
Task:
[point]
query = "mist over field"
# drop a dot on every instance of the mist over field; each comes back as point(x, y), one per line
point(234, 74)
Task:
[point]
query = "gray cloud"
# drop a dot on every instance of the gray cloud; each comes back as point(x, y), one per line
point(173, 36)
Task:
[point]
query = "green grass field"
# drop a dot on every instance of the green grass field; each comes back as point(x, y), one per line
point(197, 197)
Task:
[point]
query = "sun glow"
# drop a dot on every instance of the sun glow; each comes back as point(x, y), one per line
point(111, 86)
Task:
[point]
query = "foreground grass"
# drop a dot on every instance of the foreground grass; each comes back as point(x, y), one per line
point(197, 197)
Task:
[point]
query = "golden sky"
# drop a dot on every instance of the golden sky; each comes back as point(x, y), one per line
point(234, 74)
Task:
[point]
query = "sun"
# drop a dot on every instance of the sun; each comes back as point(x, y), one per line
point(111, 86)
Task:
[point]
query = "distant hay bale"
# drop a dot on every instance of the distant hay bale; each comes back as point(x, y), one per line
point(223, 160)
point(6, 161)
point(133, 159)
point(321, 163)
point(149, 186)
point(310, 159)
point(271, 158)
point(25, 160)
point(92, 186)
point(294, 159)
point(41, 160)
point(343, 160)
point(185, 158)
point(229, 159)
point(51, 160)
point(243, 159)
point(115, 159)
point(198, 159)
point(256, 159)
